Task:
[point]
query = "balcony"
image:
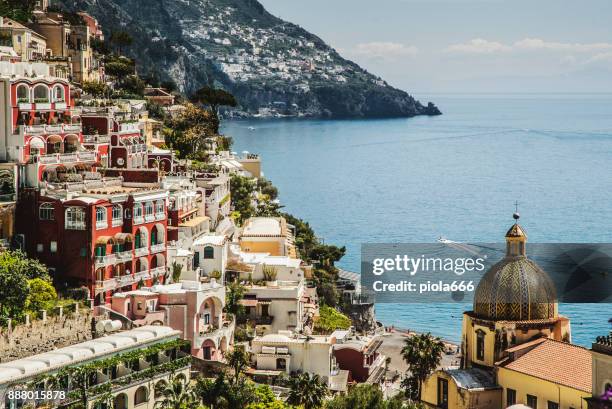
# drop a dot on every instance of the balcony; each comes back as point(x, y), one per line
point(126, 280)
point(142, 275)
point(156, 248)
point(105, 285)
point(103, 224)
point(117, 222)
point(141, 251)
point(57, 158)
point(138, 219)
point(50, 129)
point(124, 255)
point(96, 139)
point(264, 320)
point(103, 261)
point(158, 271)
point(160, 216)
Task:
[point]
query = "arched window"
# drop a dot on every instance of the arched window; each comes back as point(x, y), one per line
point(137, 213)
point(46, 212)
point(58, 94)
point(480, 345)
point(23, 93)
point(159, 388)
point(159, 207)
point(148, 208)
point(41, 93)
point(117, 215)
point(101, 217)
point(140, 396)
point(75, 218)
point(209, 252)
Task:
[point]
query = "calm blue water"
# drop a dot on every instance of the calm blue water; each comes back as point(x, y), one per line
point(457, 175)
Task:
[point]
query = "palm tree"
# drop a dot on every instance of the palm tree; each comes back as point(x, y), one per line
point(177, 394)
point(308, 391)
point(423, 354)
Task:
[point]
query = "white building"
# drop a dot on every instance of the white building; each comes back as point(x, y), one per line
point(128, 391)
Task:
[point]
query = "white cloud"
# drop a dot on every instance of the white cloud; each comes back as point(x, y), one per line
point(482, 46)
point(384, 49)
point(478, 46)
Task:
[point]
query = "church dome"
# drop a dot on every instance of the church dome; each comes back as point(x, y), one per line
point(516, 288)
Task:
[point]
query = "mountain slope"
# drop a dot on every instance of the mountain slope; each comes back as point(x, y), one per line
point(272, 66)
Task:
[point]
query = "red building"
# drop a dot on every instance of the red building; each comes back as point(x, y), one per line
point(360, 356)
point(108, 238)
point(42, 130)
point(116, 136)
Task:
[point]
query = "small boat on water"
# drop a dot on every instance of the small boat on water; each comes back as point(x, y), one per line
point(251, 128)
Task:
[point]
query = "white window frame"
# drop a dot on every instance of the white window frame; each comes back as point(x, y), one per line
point(46, 211)
point(101, 217)
point(138, 216)
point(75, 218)
point(117, 215)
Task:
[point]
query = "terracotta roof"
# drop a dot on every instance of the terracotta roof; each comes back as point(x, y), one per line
point(557, 362)
point(526, 345)
point(516, 231)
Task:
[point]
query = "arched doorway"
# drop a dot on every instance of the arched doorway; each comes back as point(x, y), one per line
point(120, 401)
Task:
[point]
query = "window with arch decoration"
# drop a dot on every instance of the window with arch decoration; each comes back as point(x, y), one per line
point(101, 217)
point(46, 211)
point(58, 94)
point(75, 218)
point(117, 214)
point(23, 93)
point(148, 208)
point(140, 396)
point(209, 252)
point(41, 94)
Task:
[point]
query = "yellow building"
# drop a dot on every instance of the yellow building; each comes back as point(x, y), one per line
point(513, 338)
point(267, 235)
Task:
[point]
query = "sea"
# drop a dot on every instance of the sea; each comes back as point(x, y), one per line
point(458, 175)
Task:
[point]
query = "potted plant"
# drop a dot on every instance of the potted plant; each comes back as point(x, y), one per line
point(270, 275)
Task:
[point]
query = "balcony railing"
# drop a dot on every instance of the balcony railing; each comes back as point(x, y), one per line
point(158, 271)
point(160, 216)
point(156, 248)
point(142, 275)
point(46, 129)
point(105, 285)
point(106, 260)
point(102, 224)
point(57, 158)
point(264, 320)
point(96, 138)
point(117, 222)
point(141, 251)
point(138, 219)
point(124, 255)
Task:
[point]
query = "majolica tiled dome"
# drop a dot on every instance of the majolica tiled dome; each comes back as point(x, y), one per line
point(516, 288)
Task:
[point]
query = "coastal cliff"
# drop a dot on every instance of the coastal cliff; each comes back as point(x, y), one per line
point(273, 67)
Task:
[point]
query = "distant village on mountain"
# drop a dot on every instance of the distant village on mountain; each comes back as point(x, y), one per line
point(274, 68)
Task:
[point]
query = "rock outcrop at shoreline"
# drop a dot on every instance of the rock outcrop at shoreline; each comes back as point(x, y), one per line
point(273, 67)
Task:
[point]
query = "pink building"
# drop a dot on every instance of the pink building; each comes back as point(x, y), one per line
point(194, 308)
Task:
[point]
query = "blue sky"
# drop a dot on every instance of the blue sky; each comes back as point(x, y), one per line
point(427, 46)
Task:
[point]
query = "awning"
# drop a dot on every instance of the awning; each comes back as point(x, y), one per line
point(248, 303)
point(105, 240)
point(37, 143)
point(123, 237)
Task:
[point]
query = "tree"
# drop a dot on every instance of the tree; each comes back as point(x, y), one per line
point(235, 293)
point(265, 399)
point(19, 10)
point(177, 269)
point(121, 39)
point(42, 295)
point(214, 98)
point(96, 89)
point(361, 396)
point(15, 271)
point(237, 359)
point(177, 394)
point(330, 319)
point(423, 354)
point(308, 391)
point(189, 131)
point(243, 189)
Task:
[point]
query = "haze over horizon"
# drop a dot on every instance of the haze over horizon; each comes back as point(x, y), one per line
point(471, 46)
